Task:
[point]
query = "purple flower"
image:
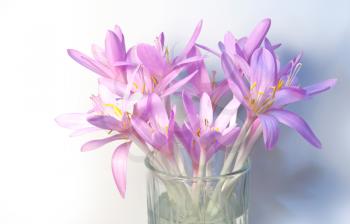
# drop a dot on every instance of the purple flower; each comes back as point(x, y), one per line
point(159, 70)
point(158, 130)
point(264, 90)
point(200, 130)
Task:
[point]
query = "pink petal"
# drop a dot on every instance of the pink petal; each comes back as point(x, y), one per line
point(99, 54)
point(143, 129)
point(256, 37)
point(83, 131)
point(208, 49)
point(263, 70)
point(270, 130)
point(205, 111)
point(159, 112)
point(114, 48)
point(229, 113)
point(94, 144)
point(178, 84)
point(233, 72)
point(191, 42)
point(289, 95)
point(104, 122)
point(190, 110)
point(320, 87)
point(164, 82)
point(190, 60)
point(114, 86)
point(151, 59)
point(73, 120)
point(219, 91)
point(230, 44)
point(294, 121)
point(119, 33)
point(236, 92)
point(119, 166)
point(229, 137)
point(88, 62)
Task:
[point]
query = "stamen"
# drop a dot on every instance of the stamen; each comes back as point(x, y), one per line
point(213, 75)
point(135, 85)
point(167, 55)
point(198, 132)
point(206, 122)
point(154, 81)
point(292, 76)
point(280, 84)
point(143, 88)
point(274, 89)
point(253, 86)
point(118, 112)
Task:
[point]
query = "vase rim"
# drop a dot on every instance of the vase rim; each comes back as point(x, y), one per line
point(243, 170)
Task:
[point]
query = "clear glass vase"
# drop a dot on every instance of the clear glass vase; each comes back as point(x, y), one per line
point(192, 200)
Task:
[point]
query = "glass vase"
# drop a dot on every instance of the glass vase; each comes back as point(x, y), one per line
point(221, 199)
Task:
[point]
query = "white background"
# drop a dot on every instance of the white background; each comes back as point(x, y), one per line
point(44, 178)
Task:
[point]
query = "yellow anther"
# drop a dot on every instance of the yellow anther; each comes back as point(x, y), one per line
point(198, 132)
point(167, 129)
point(280, 84)
point(154, 80)
point(118, 112)
point(135, 85)
point(213, 82)
point(261, 93)
point(274, 89)
point(167, 55)
point(143, 88)
point(253, 86)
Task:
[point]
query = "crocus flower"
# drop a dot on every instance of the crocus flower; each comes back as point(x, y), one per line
point(159, 70)
point(200, 130)
point(110, 113)
point(245, 46)
point(158, 130)
point(264, 90)
point(204, 82)
point(112, 64)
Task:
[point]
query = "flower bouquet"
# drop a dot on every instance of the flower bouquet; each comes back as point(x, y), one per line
point(198, 162)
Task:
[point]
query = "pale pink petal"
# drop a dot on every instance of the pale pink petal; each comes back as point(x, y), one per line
point(227, 115)
point(205, 111)
point(176, 86)
point(73, 120)
point(159, 112)
point(88, 62)
point(191, 42)
point(289, 95)
point(151, 59)
point(83, 131)
point(320, 87)
point(94, 144)
point(270, 130)
point(164, 82)
point(119, 166)
point(294, 121)
point(114, 48)
point(256, 37)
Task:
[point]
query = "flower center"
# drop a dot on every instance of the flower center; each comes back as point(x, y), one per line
point(260, 101)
